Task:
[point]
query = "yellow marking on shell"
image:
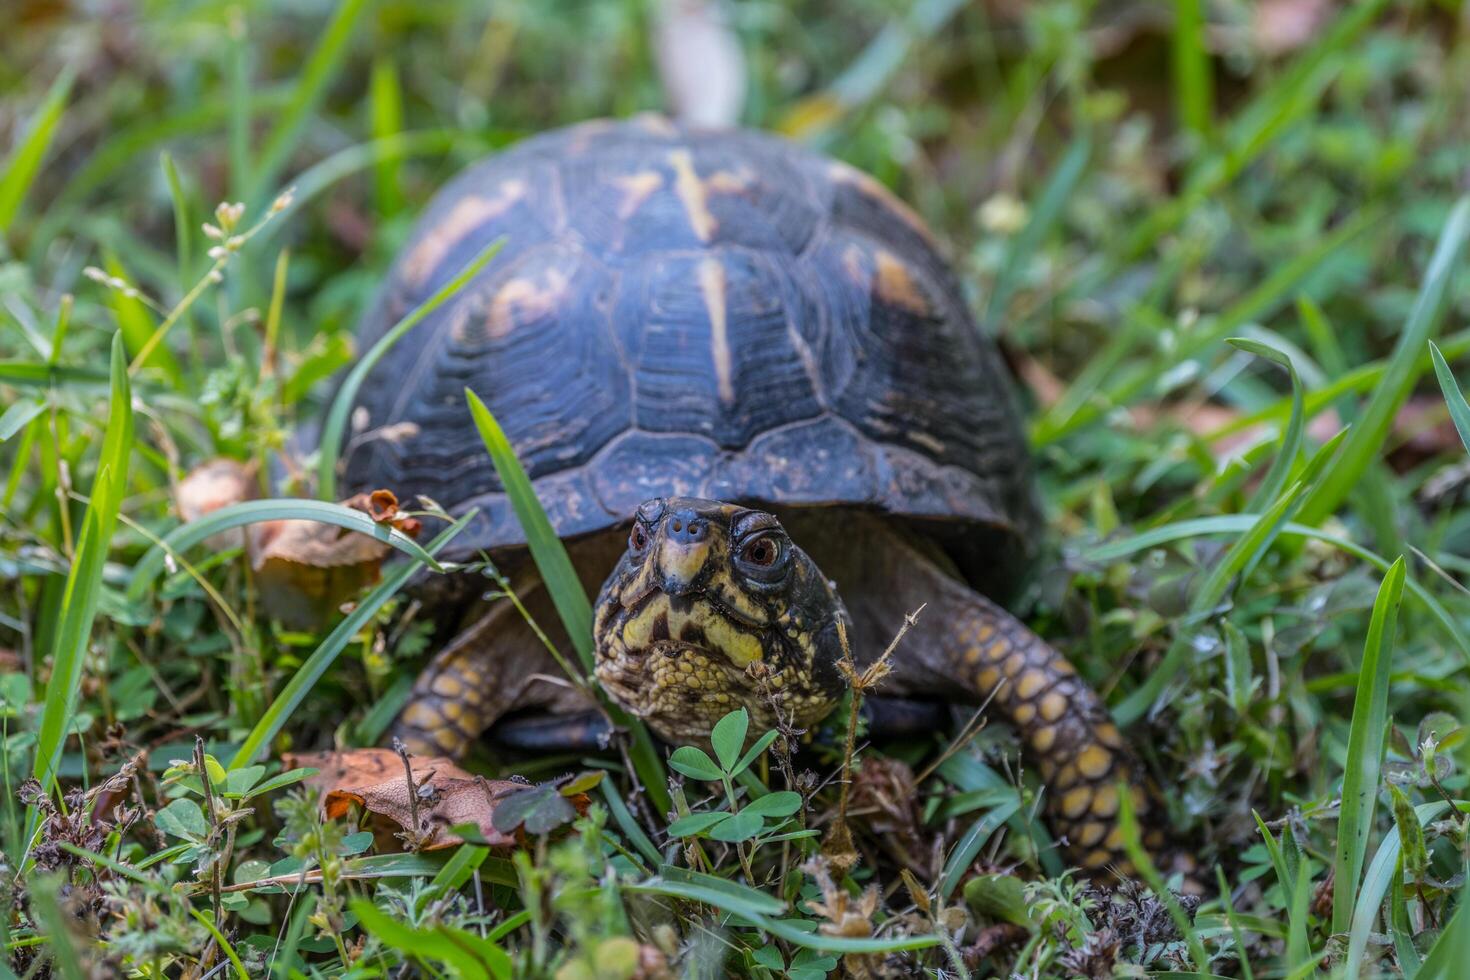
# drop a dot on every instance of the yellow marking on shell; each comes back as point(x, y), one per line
point(468, 213)
point(1053, 706)
point(1024, 713)
point(1076, 802)
point(1013, 664)
point(1094, 761)
point(636, 188)
point(1065, 778)
point(1114, 841)
point(655, 123)
point(712, 288)
point(998, 650)
point(729, 181)
point(693, 195)
point(930, 443)
point(1154, 840)
point(973, 655)
point(447, 685)
point(523, 298)
point(895, 285)
point(1097, 859)
point(1030, 684)
point(984, 632)
point(1090, 833)
point(989, 677)
point(869, 187)
point(1105, 801)
point(1107, 734)
point(1043, 739)
point(453, 711)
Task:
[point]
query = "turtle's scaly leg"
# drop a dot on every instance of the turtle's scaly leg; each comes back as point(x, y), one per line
point(1082, 758)
point(495, 665)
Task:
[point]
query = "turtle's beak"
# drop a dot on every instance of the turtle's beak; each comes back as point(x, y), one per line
point(682, 549)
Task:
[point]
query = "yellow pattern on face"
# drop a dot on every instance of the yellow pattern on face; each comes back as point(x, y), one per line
point(681, 631)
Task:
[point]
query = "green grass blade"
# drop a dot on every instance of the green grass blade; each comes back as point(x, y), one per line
point(1239, 523)
point(18, 416)
point(386, 107)
point(321, 176)
point(1193, 84)
point(1133, 845)
point(84, 581)
point(25, 161)
point(551, 557)
point(1377, 881)
point(312, 669)
point(224, 943)
point(137, 326)
point(186, 536)
point(1371, 429)
point(1291, 441)
point(1447, 958)
point(1453, 396)
point(754, 907)
point(1367, 741)
point(565, 589)
point(336, 423)
point(1048, 210)
point(963, 855)
point(306, 95)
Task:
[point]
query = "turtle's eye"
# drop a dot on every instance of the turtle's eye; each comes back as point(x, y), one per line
point(638, 539)
point(764, 558)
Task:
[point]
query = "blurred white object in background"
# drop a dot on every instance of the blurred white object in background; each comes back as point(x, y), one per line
point(700, 62)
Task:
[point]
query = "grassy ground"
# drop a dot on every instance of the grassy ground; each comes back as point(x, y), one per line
point(1209, 244)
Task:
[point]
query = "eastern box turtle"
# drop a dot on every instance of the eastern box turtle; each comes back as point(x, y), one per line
point(681, 318)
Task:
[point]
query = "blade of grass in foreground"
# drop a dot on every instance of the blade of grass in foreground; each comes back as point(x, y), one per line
point(1291, 442)
point(25, 161)
point(1371, 429)
point(565, 588)
point(316, 665)
point(1133, 845)
point(83, 583)
point(1379, 879)
point(184, 537)
point(336, 424)
point(1453, 396)
point(1367, 739)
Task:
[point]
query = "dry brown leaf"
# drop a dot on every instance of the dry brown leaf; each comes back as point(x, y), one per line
point(210, 486)
point(306, 570)
point(444, 795)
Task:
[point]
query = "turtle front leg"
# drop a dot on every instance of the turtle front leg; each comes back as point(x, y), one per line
point(1075, 744)
point(495, 665)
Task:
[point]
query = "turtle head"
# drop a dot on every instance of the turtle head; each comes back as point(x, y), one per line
point(712, 608)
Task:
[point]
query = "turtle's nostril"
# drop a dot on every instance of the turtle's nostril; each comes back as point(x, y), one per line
point(685, 528)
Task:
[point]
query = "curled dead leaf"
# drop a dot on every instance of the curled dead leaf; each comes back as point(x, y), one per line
point(443, 796)
point(210, 486)
point(306, 570)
